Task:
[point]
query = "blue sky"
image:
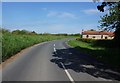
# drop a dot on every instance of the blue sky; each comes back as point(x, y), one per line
point(51, 17)
point(49, 0)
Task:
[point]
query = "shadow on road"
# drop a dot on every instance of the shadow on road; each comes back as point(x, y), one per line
point(74, 60)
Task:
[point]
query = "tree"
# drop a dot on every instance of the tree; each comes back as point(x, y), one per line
point(20, 32)
point(4, 31)
point(16, 32)
point(111, 20)
point(32, 33)
point(92, 30)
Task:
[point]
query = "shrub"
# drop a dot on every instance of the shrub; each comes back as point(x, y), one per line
point(99, 43)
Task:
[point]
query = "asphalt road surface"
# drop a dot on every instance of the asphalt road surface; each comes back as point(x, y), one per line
point(56, 61)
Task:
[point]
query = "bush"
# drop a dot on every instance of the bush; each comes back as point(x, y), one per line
point(86, 40)
point(99, 43)
point(104, 43)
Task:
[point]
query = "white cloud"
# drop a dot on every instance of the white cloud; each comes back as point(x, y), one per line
point(61, 15)
point(91, 11)
point(51, 14)
point(44, 9)
point(66, 14)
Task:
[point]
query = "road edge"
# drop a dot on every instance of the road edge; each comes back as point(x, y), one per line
point(15, 56)
point(12, 58)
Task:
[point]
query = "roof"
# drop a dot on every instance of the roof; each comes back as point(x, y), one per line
point(97, 33)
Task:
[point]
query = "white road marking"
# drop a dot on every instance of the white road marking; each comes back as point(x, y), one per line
point(68, 74)
point(54, 49)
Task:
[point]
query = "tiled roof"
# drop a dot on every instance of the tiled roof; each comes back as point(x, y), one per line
point(97, 33)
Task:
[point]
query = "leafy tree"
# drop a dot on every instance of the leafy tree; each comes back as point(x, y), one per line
point(4, 31)
point(16, 32)
point(32, 33)
point(21, 32)
point(24, 32)
point(111, 20)
point(92, 30)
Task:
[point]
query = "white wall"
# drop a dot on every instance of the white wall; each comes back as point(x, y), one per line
point(108, 37)
point(97, 37)
point(92, 36)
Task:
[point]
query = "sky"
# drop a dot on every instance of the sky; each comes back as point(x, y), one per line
point(48, 0)
point(50, 17)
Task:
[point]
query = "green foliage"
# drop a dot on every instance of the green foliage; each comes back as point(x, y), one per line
point(15, 41)
point(85, 43)
point(86, 40)
point(99, 43)
point(92, 30)
point(4, 31)
point(111, 21)
point(18, 40)
point(23, 32)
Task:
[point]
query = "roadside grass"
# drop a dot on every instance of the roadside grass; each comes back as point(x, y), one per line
point(12, 43)
point(83, 45)
point(107, 55)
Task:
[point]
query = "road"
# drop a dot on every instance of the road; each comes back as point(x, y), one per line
point(56, 61)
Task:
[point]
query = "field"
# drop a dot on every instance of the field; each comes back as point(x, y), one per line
point(102, 50)
point(12, 43)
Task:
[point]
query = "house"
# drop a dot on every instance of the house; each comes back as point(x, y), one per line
point(97, 35)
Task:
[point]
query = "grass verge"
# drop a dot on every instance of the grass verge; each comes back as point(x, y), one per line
point(110, 56)
point(12, 44)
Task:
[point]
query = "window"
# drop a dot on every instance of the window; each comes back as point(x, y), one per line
point(105, 37)
point(93, 37)
point(87, 36)
point(101, 36)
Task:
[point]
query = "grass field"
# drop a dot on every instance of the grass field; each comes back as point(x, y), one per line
point(110, 56)
point(11, 43)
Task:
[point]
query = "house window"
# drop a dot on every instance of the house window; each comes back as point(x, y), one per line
point(105, 37)
point(101, 36)
point(87, 36)
point(93, 37)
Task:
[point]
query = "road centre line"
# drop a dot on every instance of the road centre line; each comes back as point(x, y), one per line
point(54, 49)
point(66, 71)
point(68, 74)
